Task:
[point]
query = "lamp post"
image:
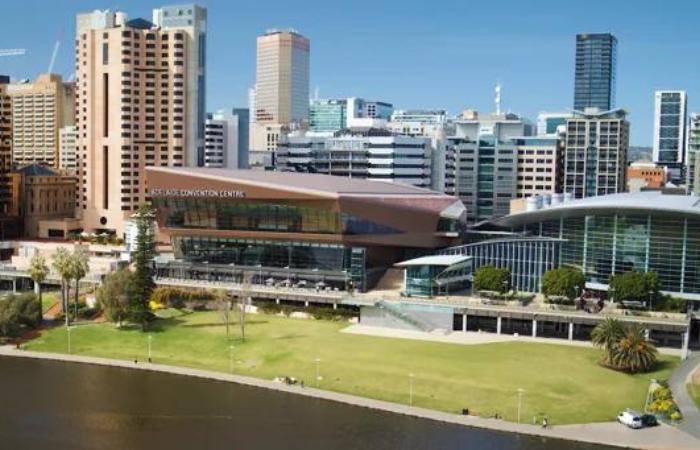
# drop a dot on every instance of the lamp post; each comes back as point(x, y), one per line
point(150, 339)
point(68, 329)
point(230, 356)
point(650, 295)
point(289, 276)
point(410, 389)
point(318, 373)
point(259, 266)
point(520, 401)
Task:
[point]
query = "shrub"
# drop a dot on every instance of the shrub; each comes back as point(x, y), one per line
point(559, 300)
point(676, 416)
point(635, 286)
point(563, 282)
point(491, 278)
point(180, 297)
point(662, 393)
point(19, 312)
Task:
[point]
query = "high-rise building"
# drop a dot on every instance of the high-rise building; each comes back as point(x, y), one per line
point(595, 152)
point(550, 123)
point(67, 149)
point(670, 119)
point(191, 19)
point(693, 155)
point(596, 65)
point(486, 162)
point(540, 165)
point(433, 124)
point(282, 86)
point(40, 109)
point(6, 193)
point(367, 153)
point(328, 115)
point(226, 139)
point(132, 90)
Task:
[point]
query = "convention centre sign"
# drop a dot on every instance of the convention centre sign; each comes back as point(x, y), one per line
point(203, 193)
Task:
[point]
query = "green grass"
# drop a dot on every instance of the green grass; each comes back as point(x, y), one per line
point(48, 299)
point(564, 382)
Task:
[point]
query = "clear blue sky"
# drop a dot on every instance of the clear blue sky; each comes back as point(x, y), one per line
point(425, 54)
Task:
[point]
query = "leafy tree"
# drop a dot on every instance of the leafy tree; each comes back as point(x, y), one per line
point(18, 312)
point(634, 353)
point(607, 335)
point(635, 286)
point(491, 278)
point(564, 281)
point(63, 266)
point(38, 271)
point(143, 266)
point(79, 267)
point(115, 295)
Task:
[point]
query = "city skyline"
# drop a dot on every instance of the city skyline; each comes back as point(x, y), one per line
point(531, 53)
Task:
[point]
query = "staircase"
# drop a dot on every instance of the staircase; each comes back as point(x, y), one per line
point(392, 280)
point(407, 318)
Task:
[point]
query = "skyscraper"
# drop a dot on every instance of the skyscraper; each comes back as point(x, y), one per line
point(693, 155)
point(670, 120)
point(191, 19)
point(595, 153)
point(39, 110)
point(596, 64)
point(282, 86)
point(132, 87)
point(227, 139)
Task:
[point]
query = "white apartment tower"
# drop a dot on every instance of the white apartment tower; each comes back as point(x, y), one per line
point(670, 120)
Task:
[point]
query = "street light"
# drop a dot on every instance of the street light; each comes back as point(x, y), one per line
point(68, 329)
point(410, 388)
point(318, 374)
point(230, 353)
point(520, 401)
point(150, 338)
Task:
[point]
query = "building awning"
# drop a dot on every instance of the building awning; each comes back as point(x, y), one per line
point(434, 260)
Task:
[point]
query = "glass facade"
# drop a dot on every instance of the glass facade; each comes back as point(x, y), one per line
point(427, 281)
point(606, 244)
point(328, 115)
point(265, 216)
point(596, 64)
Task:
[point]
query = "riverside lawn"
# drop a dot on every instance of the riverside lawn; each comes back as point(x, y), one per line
point(563, 382)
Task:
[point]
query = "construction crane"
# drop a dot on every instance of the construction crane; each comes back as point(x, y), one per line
point(12, 52)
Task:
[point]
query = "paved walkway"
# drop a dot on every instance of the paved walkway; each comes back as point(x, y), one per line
point(678, 383)
point(470, 337)
point(658, 438)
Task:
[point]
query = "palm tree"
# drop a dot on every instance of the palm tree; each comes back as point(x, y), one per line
point(62, 265)
point(607, 335)
point(634, 353)
point(79, 267)
point(38, 271)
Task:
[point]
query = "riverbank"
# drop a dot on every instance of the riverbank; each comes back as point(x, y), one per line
point(662, 437)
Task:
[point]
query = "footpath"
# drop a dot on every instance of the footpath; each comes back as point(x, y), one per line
point(679, 386)
point(662, 437)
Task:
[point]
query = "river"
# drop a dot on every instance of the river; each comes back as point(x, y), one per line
point(57, 405)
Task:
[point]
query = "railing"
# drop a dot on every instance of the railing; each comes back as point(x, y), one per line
point(407, 318)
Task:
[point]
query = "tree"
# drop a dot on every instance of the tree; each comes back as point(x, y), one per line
point(143, 265)
point(635, 286)
point(634, 353)
point(115, 295)
point(564, 281)
point(18, 312)
point(243, 301)
point(490, 278)
point(223, 305)
point(38, 271)
point(79, 268)
point(607, 335)
point(62, 265)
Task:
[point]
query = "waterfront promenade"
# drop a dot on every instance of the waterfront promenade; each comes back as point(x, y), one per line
point(663, 437)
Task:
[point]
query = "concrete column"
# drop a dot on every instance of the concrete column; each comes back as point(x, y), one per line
point(684, 349)
point(534, 328)
point(571, 331)
point(36, 288)
point(14, 285)
point(277, 301)
point(647, 332)
point(306, 303)
point(498, 325)
point(335, 306)
point(464, 322)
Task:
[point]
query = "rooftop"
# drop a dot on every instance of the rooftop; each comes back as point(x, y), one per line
point(434, 260)
point(307, 182)
point(37, 170)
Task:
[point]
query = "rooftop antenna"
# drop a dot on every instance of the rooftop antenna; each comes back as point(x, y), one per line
point(498, 98)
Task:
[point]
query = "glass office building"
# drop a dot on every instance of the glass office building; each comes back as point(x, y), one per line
point(613, 234)
point(227, 224)
point(328, 116)
point(596, 64)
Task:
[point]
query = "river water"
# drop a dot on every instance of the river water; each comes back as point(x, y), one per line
point(56, 405)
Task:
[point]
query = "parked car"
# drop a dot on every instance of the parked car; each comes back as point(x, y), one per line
point(630, 418)
point(649, 420)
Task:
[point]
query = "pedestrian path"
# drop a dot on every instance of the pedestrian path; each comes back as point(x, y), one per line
point(470, 337)
point(678, 384)
point(657, 438)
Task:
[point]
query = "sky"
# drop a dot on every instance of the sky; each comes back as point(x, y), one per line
point(415, 54)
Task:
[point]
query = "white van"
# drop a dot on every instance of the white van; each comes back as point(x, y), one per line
point(630, 418)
